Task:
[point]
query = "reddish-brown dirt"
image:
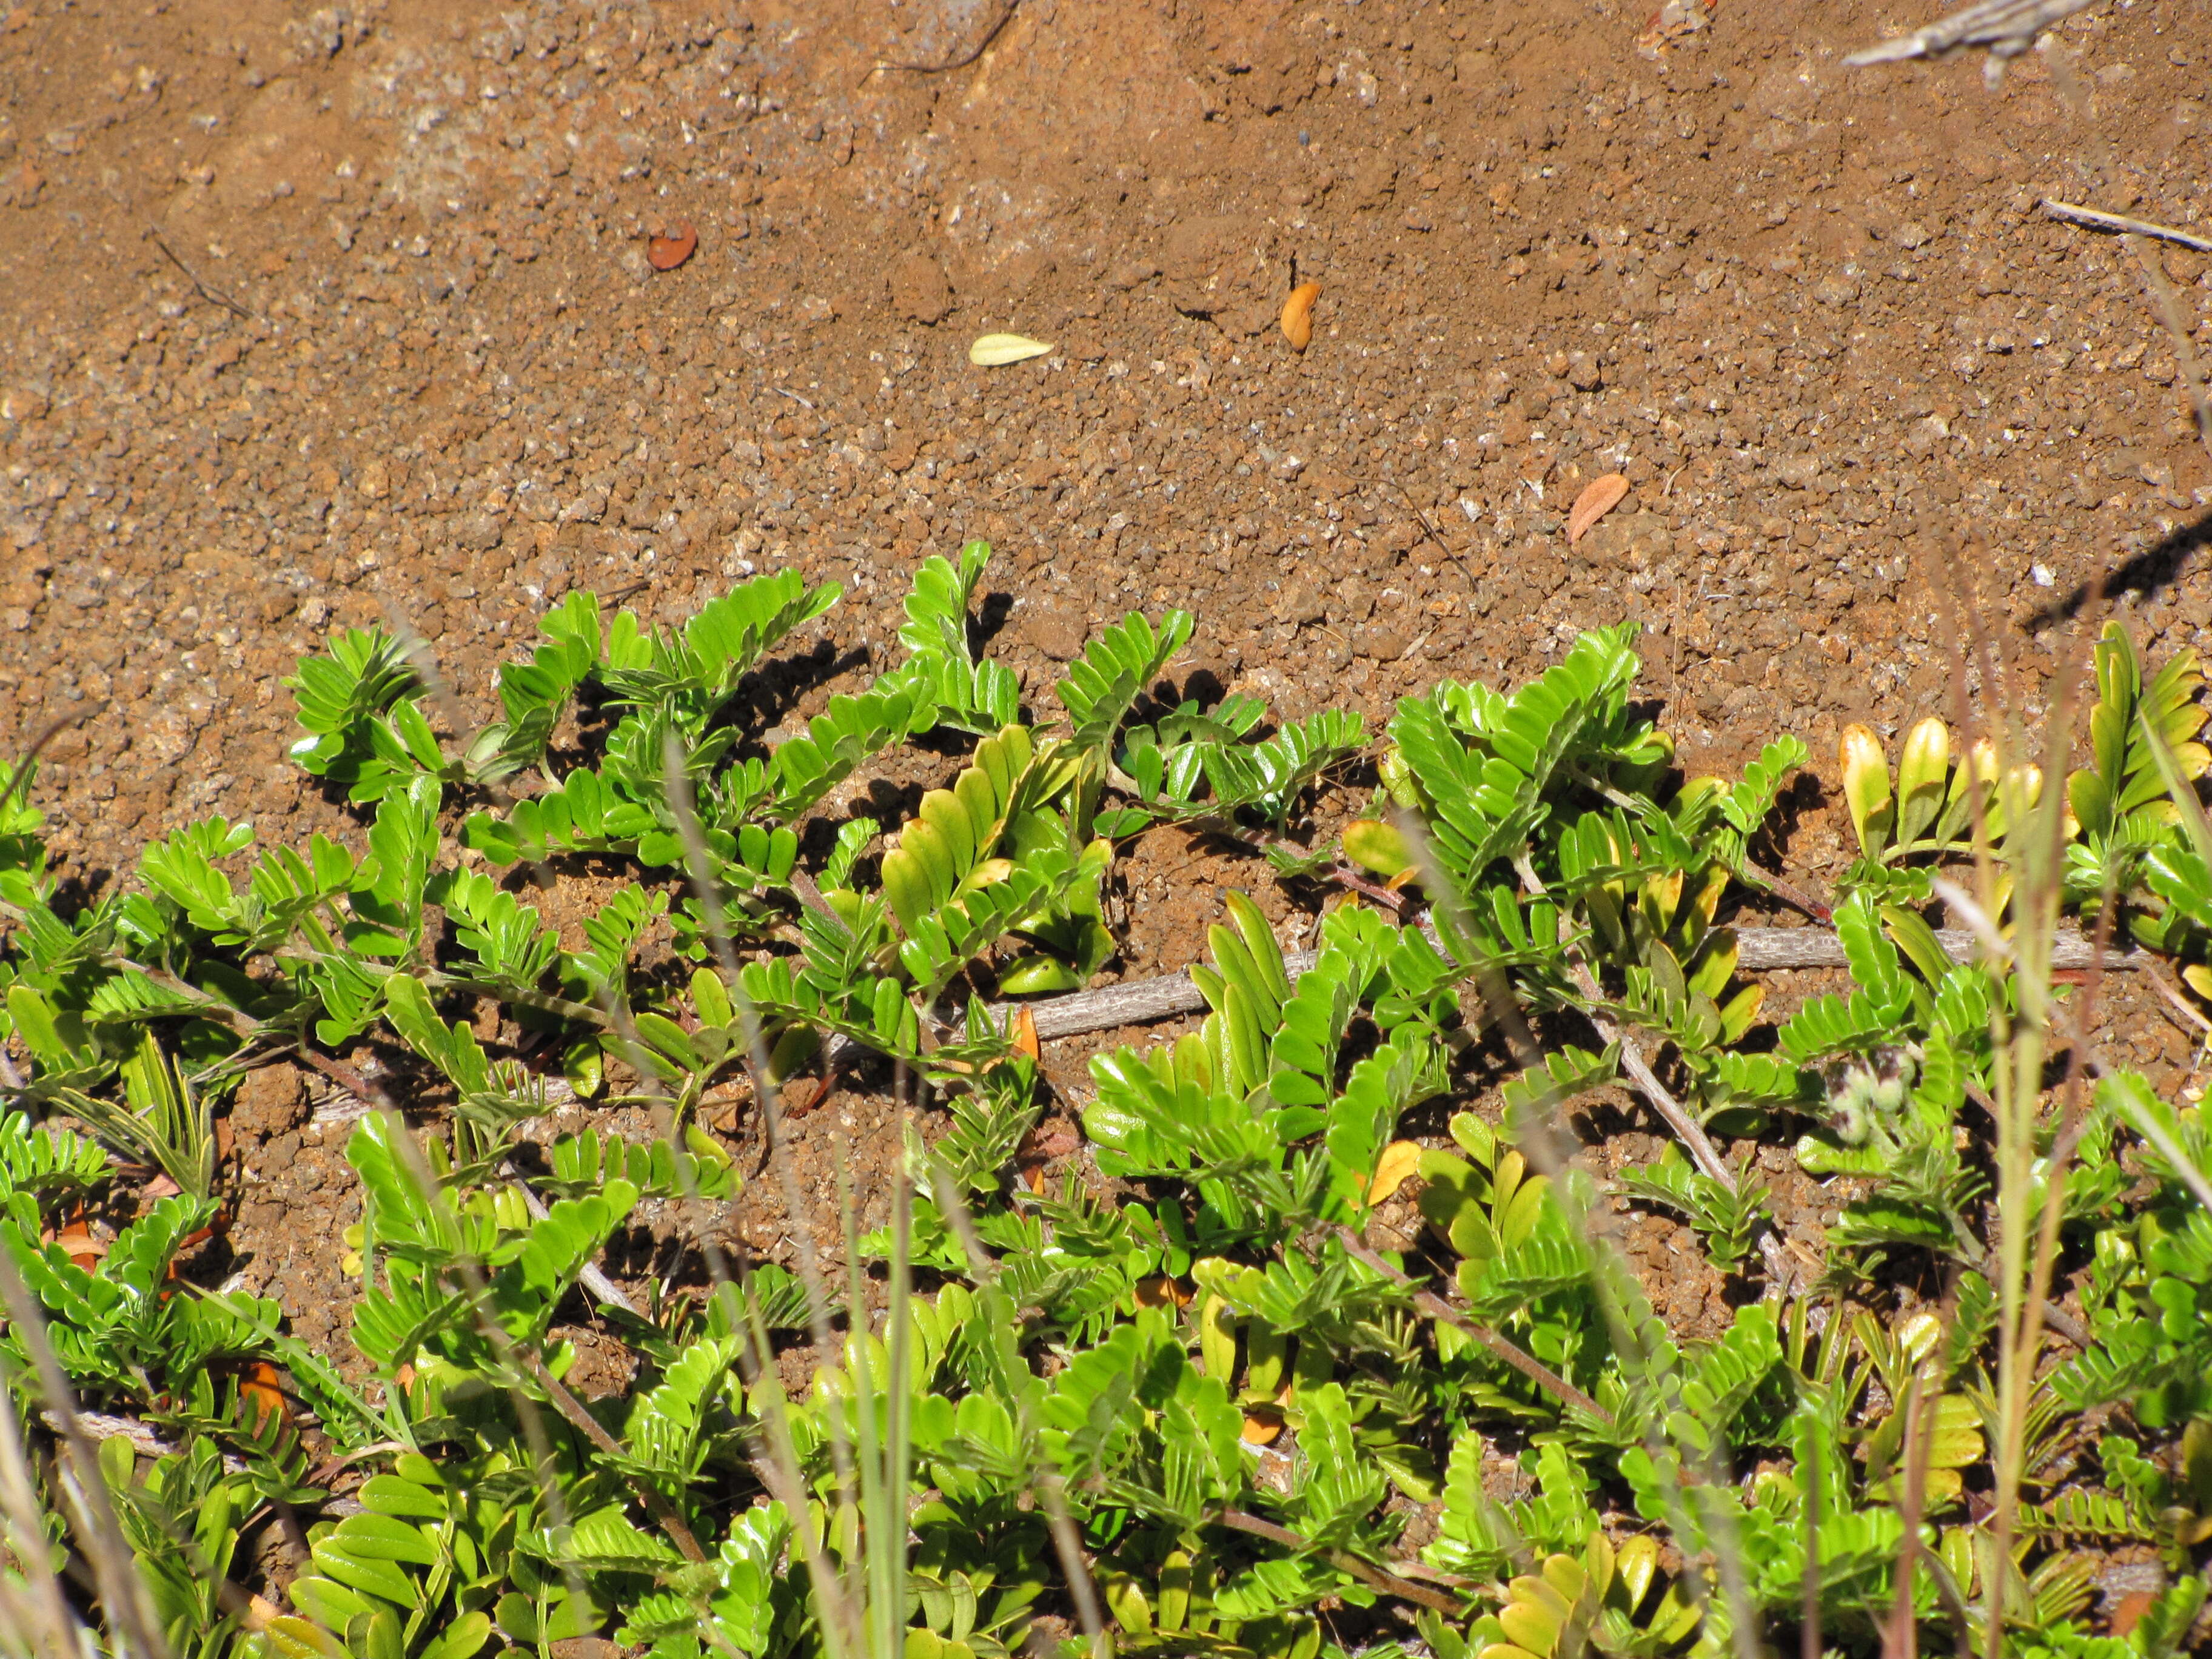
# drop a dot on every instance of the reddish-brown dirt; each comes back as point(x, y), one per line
point(348, 317)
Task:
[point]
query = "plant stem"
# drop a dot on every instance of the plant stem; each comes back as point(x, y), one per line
point(1374, 1578)
point(1436, 1308)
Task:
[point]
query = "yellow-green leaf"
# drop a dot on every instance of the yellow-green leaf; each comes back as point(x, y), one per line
point(1377, 847)
point(1217, 1340)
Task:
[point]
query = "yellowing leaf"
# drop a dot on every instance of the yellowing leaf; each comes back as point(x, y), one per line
point(1530, 1625)
point(1377, 846)
point(994, 349)
point(1399, 1160)
point(1954, 1438)
point(1217, 1340)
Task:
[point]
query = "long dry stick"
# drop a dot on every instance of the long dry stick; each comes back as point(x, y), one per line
point(1758, 949)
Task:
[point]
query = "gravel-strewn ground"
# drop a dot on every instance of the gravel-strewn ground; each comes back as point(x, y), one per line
point(349, 318)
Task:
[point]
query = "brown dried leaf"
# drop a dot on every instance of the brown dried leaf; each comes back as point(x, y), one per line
point(1298, 314)
point(666, 253)
point(1599, 497)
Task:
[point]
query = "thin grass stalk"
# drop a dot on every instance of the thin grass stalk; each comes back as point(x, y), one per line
point(777, 1462)
point(1808, 1618)
point(1900, 1637)
point(873, 1501)
point(1550, 1145)
point(2017, 1041)
point(2036, 839)
point(38, 1614)
point(1052, 1492)
point(526, 1408)
point(887, 1557)
point(122, 1592)
point(2059, 1165)
point(843, 1639)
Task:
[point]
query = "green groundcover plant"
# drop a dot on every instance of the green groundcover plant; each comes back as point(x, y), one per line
point(1185, 1405)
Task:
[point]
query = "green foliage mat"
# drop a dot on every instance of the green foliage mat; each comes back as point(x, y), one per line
point(1187, 1400)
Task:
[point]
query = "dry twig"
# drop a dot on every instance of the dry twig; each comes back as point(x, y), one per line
point(982, 44)
point(2098, 219)
point(213, 295)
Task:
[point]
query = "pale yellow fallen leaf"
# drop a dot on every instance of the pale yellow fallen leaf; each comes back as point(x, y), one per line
point(1399, 1160)
point(993, 349)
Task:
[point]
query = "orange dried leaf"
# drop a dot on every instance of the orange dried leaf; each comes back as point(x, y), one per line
point(1261, 1426)
point(261, 1389)
point(1025, 1036)
point(1599, 497)
point(79, 1245)
point(1399, 1160)
point(666, 253)
point(1160, 1292)
point(1298, 314)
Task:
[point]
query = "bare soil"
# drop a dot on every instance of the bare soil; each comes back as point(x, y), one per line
point(348, 317)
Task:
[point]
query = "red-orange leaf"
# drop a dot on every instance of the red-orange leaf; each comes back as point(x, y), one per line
point(261, 1389)
point(1599, 497)
point(666, 253)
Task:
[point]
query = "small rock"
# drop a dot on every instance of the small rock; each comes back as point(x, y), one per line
point(1837, 289)
point(1300, 604)
point(478, 531)
point(919, 290)
point(1911, 234)
point(1380, 642)
point(270, 1100)
point(1058, 631)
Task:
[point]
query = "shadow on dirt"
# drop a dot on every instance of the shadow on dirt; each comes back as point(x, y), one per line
point(2156, 566)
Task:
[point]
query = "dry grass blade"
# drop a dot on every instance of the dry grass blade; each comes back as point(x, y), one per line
point(2006, 27)
point(122, 1591)
point(779, 1463)
point(32, 1604)
point(2097, 219)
